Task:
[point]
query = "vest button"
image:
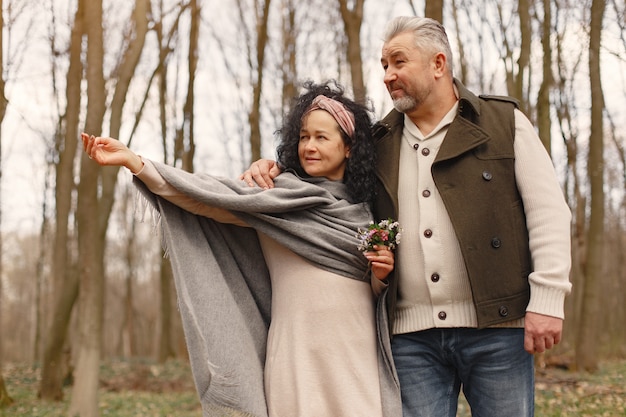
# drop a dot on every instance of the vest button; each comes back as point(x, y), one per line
point(425, 151)
point(442, 315)
point(426, 193)
point(416, 146)
point(496, 243)
point(487, 176)
point(434, 277)
point(428, 233)
point(503, 311)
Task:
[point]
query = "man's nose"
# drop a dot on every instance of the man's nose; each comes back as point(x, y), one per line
point(390, 75)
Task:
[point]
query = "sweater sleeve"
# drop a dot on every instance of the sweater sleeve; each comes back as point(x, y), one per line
point(548, 220)
point(157, 184)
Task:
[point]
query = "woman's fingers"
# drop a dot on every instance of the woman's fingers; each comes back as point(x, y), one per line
point(381, 260)
point(85, 138)
point(89, 145)
point(380, 254)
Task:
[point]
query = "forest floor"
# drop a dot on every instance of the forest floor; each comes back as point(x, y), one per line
point(146, 389)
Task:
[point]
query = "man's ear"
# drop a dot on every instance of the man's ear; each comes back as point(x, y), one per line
point(440, 64)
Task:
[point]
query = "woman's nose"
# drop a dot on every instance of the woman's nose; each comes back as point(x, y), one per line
point(310, 145)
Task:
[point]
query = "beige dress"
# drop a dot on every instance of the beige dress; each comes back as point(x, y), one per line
point(321, 349)
point(321, 358)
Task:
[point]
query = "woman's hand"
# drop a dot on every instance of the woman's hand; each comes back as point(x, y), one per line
point(109, 151)
point(382, 261)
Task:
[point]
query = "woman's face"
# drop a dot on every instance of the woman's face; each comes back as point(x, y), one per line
point(321, 149)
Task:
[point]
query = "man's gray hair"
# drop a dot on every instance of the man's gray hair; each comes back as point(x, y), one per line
point(430, 35)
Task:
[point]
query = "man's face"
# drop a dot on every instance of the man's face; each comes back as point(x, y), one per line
point(407, 72)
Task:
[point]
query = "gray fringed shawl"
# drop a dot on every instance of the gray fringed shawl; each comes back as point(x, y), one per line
point(223, 285)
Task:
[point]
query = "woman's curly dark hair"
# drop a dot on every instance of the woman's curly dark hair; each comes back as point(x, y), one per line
point(359, 174)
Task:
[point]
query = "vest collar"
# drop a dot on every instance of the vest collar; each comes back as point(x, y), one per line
point(468, 101)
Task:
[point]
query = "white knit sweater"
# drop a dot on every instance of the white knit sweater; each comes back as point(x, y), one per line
point(420, 298)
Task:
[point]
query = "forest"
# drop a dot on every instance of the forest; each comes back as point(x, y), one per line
point(203, 85)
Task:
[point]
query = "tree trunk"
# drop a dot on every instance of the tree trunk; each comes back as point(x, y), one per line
point(462, 70)
point(5, 399)
point(523, 61)
point(254, 117)
point(543, 97)
point(566, 120)
point(434, 10)
point(63, 271)
point(288, 65)
point(164, 341)
point(352, 20)
point(129, 348)
point(125, 72)
point(185, 140)
point(165, 349)
point(44, 238)
point(84, 402)
point(92, 234)
point(587, 345)
point(55, 367)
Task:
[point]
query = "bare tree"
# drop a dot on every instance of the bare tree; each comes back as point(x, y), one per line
point(522, 79)
point(127, 339)
point(84, 401)
point(352, 21)
point(614, 257)
point(618, 258)
point(91, 205)
point(64, 276)
point(517, 70)
point(543, 96)
point(586, 345)
point(288, 62)
point(5, 399)
point(166, 278)
point(567, 121)
point(434, 9)
point(134, 43)
point(462, 70)
point(184, 147)
point(166, 42)
point(256, 65)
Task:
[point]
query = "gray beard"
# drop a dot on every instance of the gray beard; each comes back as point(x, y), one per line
point(404, 104)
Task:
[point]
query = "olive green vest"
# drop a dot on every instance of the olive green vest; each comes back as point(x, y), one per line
point(474, 173)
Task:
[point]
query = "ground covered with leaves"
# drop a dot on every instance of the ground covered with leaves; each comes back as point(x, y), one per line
point(128, 389)
point(146, 389)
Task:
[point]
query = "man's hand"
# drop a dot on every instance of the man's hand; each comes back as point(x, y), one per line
point(261, 173)
point(541, 332)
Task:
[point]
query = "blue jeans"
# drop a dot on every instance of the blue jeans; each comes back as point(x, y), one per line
point(491, 365)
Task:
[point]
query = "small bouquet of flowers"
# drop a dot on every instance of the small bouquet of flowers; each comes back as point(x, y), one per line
point(385, 233)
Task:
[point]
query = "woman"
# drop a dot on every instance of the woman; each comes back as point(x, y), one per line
point(320, 355)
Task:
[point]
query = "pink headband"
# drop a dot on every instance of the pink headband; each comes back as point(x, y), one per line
point(343, 116)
